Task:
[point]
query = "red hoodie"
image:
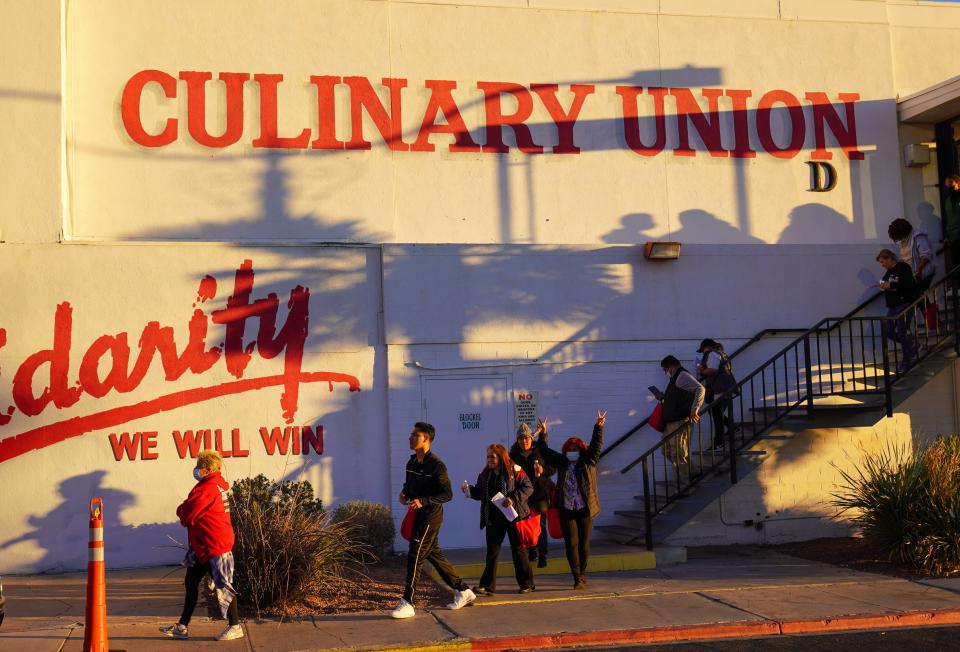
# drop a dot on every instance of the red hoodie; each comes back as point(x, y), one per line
point(206, 515)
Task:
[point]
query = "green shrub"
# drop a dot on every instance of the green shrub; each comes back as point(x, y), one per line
point(909, 505)
point(287, 548)
point(373, 523)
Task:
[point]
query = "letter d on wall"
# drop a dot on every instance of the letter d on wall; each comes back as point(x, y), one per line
point(823, 176)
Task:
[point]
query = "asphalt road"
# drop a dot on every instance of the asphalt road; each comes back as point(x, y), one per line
point(929, 639)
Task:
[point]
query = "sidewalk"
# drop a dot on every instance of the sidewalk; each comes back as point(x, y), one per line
point(718, 593)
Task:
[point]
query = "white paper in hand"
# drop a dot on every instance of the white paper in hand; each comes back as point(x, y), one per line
point(509, 512)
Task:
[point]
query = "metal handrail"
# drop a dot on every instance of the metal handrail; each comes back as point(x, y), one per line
point(743, 347)
point(805, 341)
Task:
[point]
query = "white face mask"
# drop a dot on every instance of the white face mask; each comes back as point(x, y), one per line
point(573, 456)
point(196, 474)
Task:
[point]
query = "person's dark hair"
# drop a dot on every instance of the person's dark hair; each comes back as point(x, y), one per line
point(899, 229)
point(425, 428)
point(574, 443)
point(669, 361)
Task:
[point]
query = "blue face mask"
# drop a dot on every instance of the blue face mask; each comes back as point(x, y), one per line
point(196, 474)
point(573, 456)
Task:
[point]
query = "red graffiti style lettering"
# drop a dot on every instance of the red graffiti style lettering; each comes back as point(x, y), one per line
point(5, 417)
point(57, 358)
point(112, 353)
point(290, 340)
point(54, 433)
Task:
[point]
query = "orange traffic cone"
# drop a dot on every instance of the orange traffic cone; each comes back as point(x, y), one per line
point(95, 632)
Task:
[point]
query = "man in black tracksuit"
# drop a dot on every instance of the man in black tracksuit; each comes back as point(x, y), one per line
point(425, 489)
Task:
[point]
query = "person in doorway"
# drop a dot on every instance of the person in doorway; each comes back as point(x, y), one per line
point(578, 496)
point(526, 454)
point(206, 515)
point(951, 223)
point(681, 400)
point(899, 291)
point(500, 479)
point(915, 251)
point(425, 489)
point(716, 373)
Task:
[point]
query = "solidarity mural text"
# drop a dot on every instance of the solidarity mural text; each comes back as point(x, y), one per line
point(45, 380)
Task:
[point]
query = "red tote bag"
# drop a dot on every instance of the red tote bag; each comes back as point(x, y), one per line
point(529, 529)
point(406, 528)
point(553, 523)
point(932, 316)
point(656, 418)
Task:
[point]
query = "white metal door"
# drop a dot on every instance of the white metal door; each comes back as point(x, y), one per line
point(469, 413)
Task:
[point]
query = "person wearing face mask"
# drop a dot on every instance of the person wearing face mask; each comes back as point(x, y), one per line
point(577, 495)
point(500, 477)
point(526, 454)
point(206, 515)
point(681, 400)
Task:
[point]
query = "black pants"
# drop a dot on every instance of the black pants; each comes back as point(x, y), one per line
point(192, 585)
point(495, 530)
point(576, 526)
point(718, 417)
point(542, 541)
point(424, 546)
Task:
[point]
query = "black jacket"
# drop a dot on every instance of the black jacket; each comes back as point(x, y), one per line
point(542, 486)
point(428, 482)
point(903, 286)
point(585, 468)
point(518, 490)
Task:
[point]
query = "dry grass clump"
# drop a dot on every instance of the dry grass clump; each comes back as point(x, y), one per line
point(288, 549)
point(909, 505)
point(373, 525)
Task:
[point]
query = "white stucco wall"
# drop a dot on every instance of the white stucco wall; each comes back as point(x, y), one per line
point(516, 269)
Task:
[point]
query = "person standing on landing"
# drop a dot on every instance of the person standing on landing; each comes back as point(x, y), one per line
point(206, 515)
point(499, 477)
point(527, 454)
point(425, 489)
point(578, 495)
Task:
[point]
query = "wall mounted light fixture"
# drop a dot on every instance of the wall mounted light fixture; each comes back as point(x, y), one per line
point(661, 250)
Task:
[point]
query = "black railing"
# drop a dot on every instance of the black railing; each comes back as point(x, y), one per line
point(743, 347)
point(839, 356)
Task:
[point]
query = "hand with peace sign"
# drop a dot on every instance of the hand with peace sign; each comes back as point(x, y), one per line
point(601, 418)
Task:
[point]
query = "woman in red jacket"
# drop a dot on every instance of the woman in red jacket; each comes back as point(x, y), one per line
point(206, 515)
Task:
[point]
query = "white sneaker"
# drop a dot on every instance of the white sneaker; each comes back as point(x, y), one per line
point(461, 599)
point(403, 610)
point(230, 633)
point(175, 631)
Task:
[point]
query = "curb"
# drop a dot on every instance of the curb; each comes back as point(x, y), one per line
point(677, 633)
